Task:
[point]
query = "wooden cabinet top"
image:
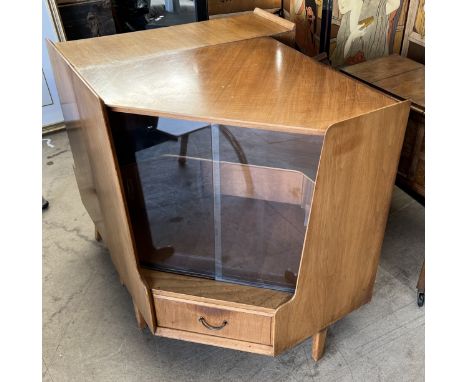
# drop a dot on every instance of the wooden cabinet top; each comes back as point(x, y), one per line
point(399, 76)
point(224, 71)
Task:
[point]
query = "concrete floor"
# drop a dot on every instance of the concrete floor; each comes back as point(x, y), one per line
point(90, 332)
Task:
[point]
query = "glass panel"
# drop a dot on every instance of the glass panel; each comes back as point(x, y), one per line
point(264, 195)
point(164, 13)
point(170, 193)
point(223, 202)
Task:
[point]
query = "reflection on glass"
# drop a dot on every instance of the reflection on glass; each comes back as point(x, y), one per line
point(178, 198)
point(136, 15)
point(217, 201)
point(264, 193)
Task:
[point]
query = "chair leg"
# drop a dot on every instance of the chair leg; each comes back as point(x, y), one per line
point(318, 344)
point(183, 149)
point(140, 320)
point(421, 286)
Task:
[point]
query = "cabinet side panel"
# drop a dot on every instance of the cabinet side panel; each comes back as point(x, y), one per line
point(344, 237)
point(90, 122)
point(82, 167)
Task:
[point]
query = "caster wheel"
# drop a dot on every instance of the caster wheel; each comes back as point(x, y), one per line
point(420, 299)
point(45, 203)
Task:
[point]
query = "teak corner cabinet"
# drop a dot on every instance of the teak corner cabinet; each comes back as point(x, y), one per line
point(241, 188)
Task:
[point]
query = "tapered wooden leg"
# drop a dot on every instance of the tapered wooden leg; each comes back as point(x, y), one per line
point(140, 320)
point(97, 235)
point(318, 344)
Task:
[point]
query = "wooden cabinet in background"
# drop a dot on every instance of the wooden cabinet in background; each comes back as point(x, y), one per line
point(402, 78)
point(411, 169)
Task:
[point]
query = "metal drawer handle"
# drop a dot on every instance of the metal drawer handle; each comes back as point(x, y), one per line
point(211, 327)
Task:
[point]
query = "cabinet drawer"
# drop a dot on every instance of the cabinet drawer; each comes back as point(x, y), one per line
point(198, 317)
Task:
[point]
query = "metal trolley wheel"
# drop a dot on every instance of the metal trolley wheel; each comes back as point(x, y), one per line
point(420, 298)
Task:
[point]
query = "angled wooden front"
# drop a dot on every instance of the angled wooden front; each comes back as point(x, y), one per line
point(349, 212)
point(90, 132)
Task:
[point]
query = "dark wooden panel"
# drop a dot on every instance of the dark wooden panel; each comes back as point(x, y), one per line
point(82, 165)
point(411, 170)
point(87, 19)
point(408, 85)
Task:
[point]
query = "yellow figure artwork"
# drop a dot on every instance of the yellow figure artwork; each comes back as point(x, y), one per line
point(363, 32)
point(419, 25)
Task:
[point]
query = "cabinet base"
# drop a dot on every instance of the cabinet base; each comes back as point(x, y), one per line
point(215, 341)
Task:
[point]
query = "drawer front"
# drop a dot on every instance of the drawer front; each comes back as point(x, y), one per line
point(215, 321)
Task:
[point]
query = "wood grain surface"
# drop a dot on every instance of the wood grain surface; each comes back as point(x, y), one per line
point(200, 289)
point(396, 75)
point(245, 83)
point(349, 213)
point(242, 325)
point(215, 341)
point(156, 42)
point(318, 344)
point(408, 85)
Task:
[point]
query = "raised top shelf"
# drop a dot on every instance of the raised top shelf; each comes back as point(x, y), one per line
point(134, 46)
point(238, 78)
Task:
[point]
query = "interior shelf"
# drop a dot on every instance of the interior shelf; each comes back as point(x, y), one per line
point(202, 289)
point(217, 201)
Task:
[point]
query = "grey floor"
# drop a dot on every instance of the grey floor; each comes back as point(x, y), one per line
point(90, 333)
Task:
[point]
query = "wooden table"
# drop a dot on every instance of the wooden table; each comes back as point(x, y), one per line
point(401, 78)
point(152, 201)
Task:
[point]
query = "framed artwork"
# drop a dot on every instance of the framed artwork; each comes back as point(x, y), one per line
point(350, 31)
point(366, 29)
point(307, 15)
point(415, 26)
